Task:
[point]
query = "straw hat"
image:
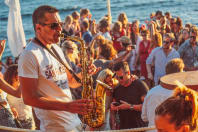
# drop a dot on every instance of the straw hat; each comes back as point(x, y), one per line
point(189, 79)
point(125, 39)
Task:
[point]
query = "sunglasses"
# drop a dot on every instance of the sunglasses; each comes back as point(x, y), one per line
point(193, 37)
point(167, 42)
point(70, 48)
point(144, 35)
point(53, 25)
point(119, 77)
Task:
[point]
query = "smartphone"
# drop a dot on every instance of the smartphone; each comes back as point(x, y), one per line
point(116, 103)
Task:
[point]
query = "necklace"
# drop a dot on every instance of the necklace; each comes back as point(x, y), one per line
point(130, 80)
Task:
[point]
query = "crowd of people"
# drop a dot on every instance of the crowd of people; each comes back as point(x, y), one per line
point(127, 56)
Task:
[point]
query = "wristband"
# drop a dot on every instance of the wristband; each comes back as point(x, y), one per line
point(132, 107)
point(149, 73)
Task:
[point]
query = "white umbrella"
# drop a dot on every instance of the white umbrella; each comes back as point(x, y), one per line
point(15, 32)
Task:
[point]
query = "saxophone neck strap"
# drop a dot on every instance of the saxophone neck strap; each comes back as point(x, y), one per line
point(58, 58)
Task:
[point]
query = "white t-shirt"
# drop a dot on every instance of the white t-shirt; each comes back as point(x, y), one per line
point(154, 97)
point(37, 62)
point(24, 111)
point(106, 35)
point(3, 98)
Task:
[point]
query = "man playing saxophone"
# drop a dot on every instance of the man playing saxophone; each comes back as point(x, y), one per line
point(44, 78)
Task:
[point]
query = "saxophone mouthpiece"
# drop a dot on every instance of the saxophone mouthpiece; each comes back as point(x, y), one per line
point(62, 35)
point(104, 84)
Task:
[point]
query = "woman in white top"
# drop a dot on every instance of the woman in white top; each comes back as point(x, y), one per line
point(23, 112)
point(135, 39)
point(7, 118)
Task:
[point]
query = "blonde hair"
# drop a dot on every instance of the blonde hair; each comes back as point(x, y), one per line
point(106, 73)
point(156, 40)
point(123, 19)
point(116, 25)
point(174, 65)
point(101, 39)
point(68, 19)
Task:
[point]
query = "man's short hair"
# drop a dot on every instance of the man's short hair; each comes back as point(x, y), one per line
point(167, 14)
point(121, 65)
point(39, 14)
point(159, 13)
point(174, 65)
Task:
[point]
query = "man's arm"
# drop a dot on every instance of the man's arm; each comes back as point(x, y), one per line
point(72, 81)
point(28, 77)
point(149, 61)
point(144, 110)
point(148, 68)
point(31, 97)
point(124, 105)
point(91, 70)
point(182, 49)
point(2, 47)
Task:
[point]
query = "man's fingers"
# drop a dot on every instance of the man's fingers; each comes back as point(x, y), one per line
point(98, 69)
point(123, 102)
point(83, 101)
point(81, 109)
point(82, 106)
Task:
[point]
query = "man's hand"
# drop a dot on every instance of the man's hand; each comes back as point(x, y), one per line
point(113, 107)
point(92, 69)
point(2, 46)
point(82, 106)
point(150, 76)
point(124, 105)
point(15, 113)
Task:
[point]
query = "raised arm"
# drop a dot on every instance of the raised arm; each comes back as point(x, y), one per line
point(9, 89)
point(3, 84)
point(2, 47)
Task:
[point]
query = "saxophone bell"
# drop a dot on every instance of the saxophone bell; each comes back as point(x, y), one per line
point(104, 85)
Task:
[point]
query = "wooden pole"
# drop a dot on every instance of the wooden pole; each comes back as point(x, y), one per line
point(109, 9)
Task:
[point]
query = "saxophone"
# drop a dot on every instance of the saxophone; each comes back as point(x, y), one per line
point(96, 117)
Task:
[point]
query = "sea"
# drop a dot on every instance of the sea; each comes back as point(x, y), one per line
point(135, 10)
